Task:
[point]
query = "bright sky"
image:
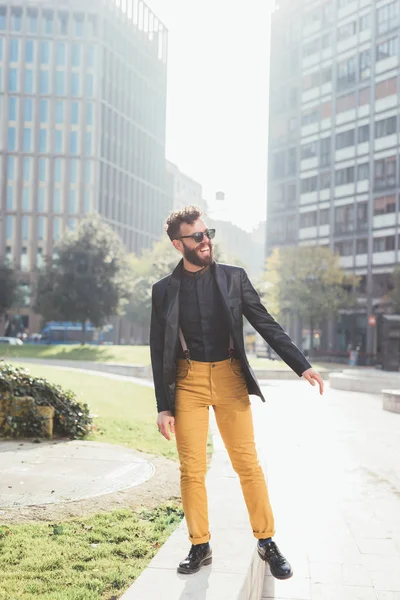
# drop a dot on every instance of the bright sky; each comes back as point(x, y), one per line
point(217, 121)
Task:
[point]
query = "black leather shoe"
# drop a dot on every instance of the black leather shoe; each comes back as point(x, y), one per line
point(198, 556)
point(280, 568)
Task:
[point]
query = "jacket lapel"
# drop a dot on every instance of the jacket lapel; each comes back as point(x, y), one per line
point(172, 314)
point(220, 279)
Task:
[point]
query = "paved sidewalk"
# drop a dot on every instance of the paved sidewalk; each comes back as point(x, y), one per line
point(333, 466)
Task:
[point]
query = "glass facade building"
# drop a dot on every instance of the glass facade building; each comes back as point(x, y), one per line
point(334, 145)
point(82, 117)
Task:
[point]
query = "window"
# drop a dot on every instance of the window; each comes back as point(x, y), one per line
point(57, 200)
point(10, 197)
point(89, 114)
point(90, 57)
point(75, 84)
point(344, 176)
point(74, 113)
point(48, 22)
point(56, 228)
point(26, 200)
point(308, 185)
point(29, 51)
point(326, 41)
point(365, 64)
point(311, 47)
point(78, 25)
point(12, 108)
point(44, 110)
point(364, 22)
point(326, 75)
point(27, 145)
point(16, 19)
point(73, 176)
point(13, 80)
point(325, 180)
point(384, 244)
point(39, 258)
point(14, 50)
point(40, 228)
point(324, 216)
point(362, 246)
point(311, 81)
point(74, 142)
point(57, 170)
point(41, 200)
point(89, 84)
point(91, 23)
point(308, 219)
point(59, 112)
point(386, 127)
point(44, 82)
point(387, 17)
point(347, 30)
point(345, 139)
point(9, 227)
point(27, 169)
point(44, 53)
point(71, 224)
point(72, 202)
point(363, 171)
point(362, 215)
point(87, 202)
point(32, 20)
point(28, 87)
point(25, 228)
point(58, 141)
point(292, 155)
point(76, 55)
point(363, 97)
point(42, 169)
point(3, 18)
point(310, 116)
point(344, 103)
point(385, 172)
point(325, 151)
point(384, 205)
point(346, 73)
point(28, 109)
point(24, 259)
point(60, 83)
point(11, 168)
point(88, 172)
point(309, 150)
point(344, 248)
point(363, 134)
point(387, 49)
point(60, 54)
point(63, 23)
point(344, 218)
point(11, 138)
point(43, 140)
point(386, 88)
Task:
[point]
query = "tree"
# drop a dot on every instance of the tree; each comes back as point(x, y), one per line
point(308, 282)
point(88, 279)
point(8, 288)
point(394, 294)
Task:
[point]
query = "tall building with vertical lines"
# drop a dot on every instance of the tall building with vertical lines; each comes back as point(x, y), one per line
point(334, 141)
point(82, 117)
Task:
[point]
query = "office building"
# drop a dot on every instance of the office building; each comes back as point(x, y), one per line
point(82, 116)
point(333, 148)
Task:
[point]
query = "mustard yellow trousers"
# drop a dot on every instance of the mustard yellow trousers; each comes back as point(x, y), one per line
point(220, 385)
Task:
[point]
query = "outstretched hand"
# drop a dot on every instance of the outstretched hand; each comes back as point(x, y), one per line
point(313, 377)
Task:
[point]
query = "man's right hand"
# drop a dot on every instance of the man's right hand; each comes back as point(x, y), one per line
point(166, 423)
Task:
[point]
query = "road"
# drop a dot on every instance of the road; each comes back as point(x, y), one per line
point(333, 466)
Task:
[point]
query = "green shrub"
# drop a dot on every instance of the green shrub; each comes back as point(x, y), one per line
point(72, 419)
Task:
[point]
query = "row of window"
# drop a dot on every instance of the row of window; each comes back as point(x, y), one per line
point(59, 82)
point(74, 143)
point(379, 244)
point(73, 170)
point(46, 52)
point(64, 111)
point(59, 202)
point(326, 40)
point(41, 227)
point(46, 22)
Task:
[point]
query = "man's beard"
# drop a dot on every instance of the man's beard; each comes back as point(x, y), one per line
point(195, 257)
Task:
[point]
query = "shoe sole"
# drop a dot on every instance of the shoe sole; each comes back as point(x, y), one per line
point(288, 576)
point(208, 561)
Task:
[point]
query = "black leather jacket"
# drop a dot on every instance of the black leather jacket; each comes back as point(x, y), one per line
point(238, 298)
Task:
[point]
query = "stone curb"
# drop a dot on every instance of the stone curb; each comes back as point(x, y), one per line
point(365, 382)
point(237, 573)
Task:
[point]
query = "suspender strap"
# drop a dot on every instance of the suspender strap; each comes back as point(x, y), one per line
point(186, 352)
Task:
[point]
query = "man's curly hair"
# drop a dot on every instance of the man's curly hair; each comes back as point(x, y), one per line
point(188, 214)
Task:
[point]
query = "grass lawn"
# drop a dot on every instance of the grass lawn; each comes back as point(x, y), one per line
point(98, 557)
point(135, 355)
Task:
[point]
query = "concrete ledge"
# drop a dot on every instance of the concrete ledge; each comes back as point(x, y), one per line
point(370, 382)
point(237, 573)
point(391, 400)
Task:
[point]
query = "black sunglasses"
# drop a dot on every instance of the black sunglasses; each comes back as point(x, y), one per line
point(199, 235)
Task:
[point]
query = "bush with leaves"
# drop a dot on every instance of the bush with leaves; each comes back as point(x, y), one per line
point(72, 419)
